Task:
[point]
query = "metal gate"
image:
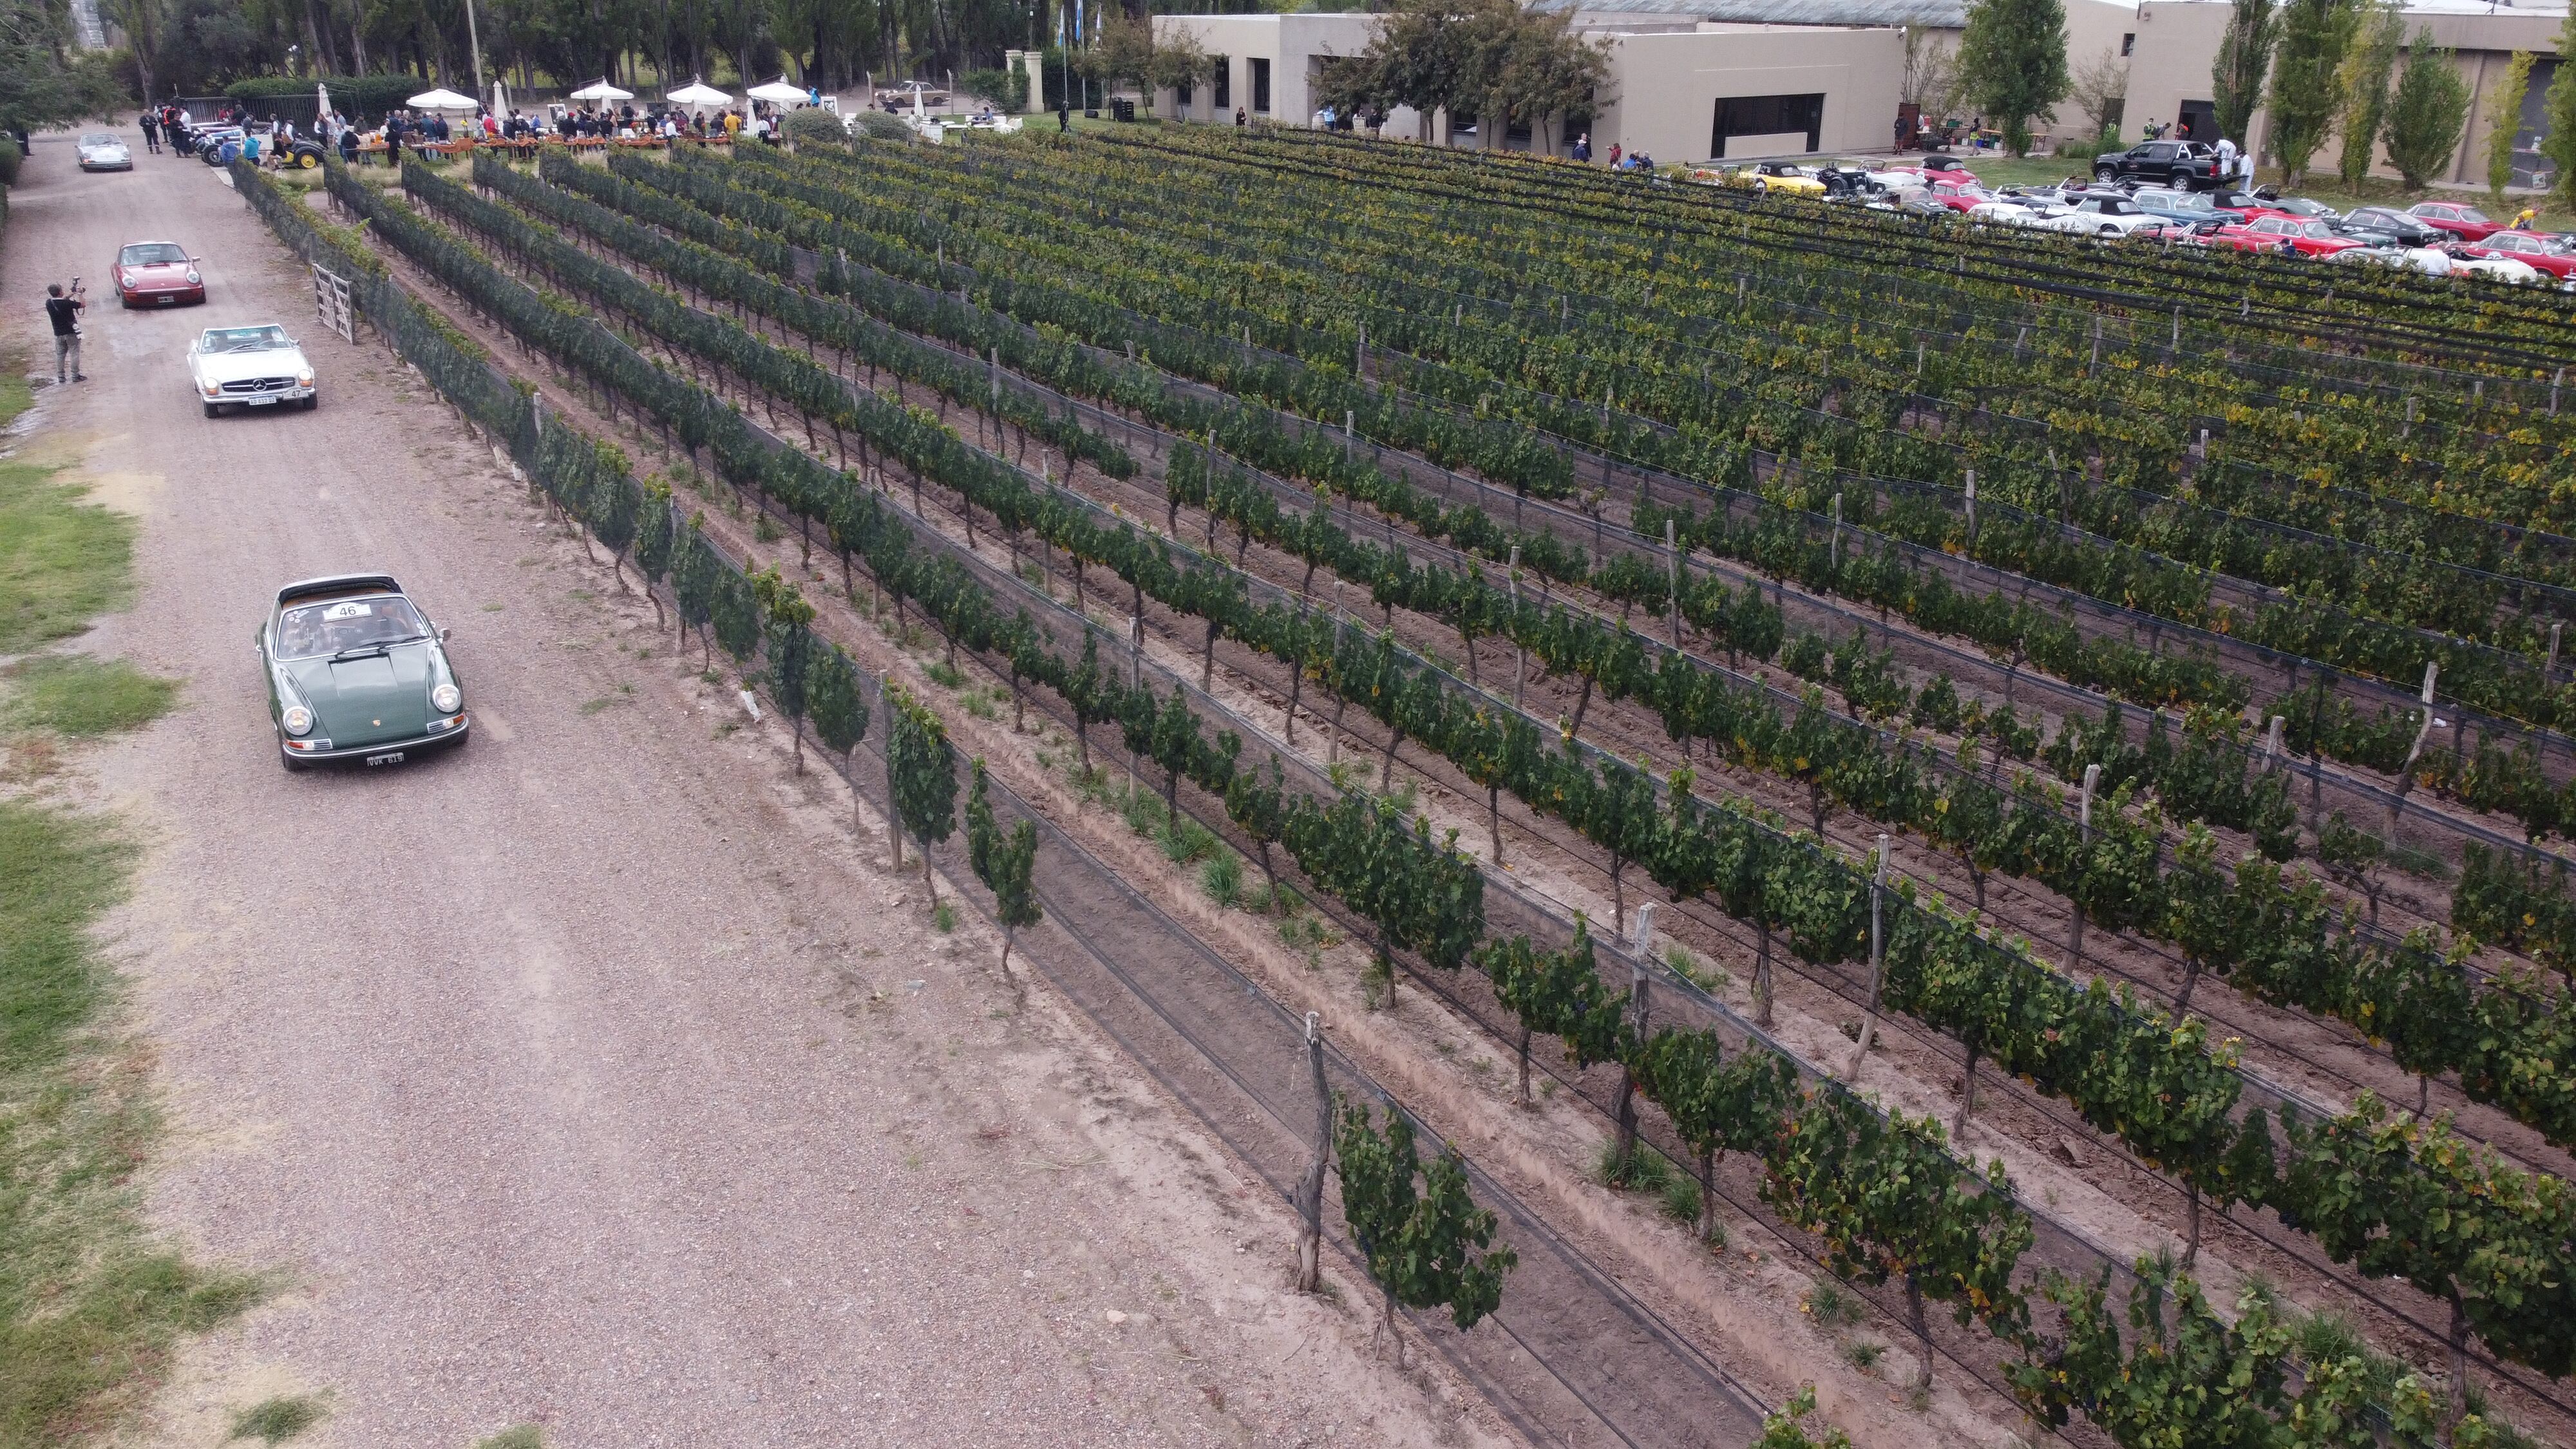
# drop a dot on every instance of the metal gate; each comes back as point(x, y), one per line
point(331, 303)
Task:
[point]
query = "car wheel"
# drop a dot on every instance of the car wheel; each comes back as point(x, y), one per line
point(308, 160)
point(2106, 173)
point(1761, 187)
point(313, 402)
point(214, 410)
point(293, 765)
point(2108, 231)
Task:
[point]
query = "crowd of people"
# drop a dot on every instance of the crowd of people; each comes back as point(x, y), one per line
point(270, 141)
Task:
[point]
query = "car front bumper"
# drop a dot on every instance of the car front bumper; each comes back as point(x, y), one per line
point(125, 165)
point(376, 753)
point(163, 296)
point(261, 399)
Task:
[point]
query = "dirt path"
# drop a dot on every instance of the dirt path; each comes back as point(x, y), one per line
point(594, 1077)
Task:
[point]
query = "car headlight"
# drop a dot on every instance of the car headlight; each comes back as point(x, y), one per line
point(445, 698)
point(298, 720)
point(304, 377)
point(212, 389)
point(194, 279)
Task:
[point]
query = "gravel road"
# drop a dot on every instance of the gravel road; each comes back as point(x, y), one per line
point(596, 1076)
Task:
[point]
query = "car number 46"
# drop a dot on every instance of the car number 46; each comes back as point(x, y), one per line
point(393, 758)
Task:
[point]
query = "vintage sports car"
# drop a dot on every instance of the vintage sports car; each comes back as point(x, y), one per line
point(100, 151)
point(356, 673)
point(249, 367)
point(1775, 178)
point(156, 274)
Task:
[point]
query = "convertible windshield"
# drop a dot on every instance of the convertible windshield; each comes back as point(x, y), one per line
point(98, 138)
point(151, 254)
point(339, 625)
point(246, 339)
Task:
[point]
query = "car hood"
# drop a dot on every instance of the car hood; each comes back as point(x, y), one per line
point(369, 697)
point(155, 271)
point(239, 366)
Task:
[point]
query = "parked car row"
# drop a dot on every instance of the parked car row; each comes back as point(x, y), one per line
point(2161, 191)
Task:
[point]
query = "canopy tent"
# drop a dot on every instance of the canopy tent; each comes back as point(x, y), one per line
point(698, 93)
point(778, 93)
point(601, 90)
point(442, 100)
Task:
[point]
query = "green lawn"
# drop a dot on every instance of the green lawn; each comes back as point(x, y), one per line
point(62, 558)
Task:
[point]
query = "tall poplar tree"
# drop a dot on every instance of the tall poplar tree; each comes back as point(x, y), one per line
point(2306, 91)
point(2244, 54)
point(2380, 32)
point(2012, 63)
point(2504, 122)
point(2426, 114)
point(2558, 136)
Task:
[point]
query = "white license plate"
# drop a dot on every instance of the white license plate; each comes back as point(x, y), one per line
point(261, 402)
point(394, 758)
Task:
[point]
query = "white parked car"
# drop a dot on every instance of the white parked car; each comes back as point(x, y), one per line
point(2431, 261)
point(2017, 211)
point(250, 367)
point(100, 151)
point(2499, 269)
point(2107, 215)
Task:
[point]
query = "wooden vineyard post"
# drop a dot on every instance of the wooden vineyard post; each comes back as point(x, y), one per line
point(1676, 599)
point(894, 818)
point(2423, 732)
point(1310, 1188)
point(1877, 960)
point(1520, 651)
point(1136, 680)
point(2084, 828)
point(1638, 981)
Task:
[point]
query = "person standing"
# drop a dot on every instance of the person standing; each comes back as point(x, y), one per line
point(2226, 159)
point(151, 133)
point(63, 311)
point(1583, 147)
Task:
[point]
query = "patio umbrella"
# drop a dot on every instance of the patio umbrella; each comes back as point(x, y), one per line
point(698, 93)
point(601, 90)
point(777, 92)
point(442, 100)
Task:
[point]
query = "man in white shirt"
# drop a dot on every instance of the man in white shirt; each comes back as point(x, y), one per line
point(2226, 159)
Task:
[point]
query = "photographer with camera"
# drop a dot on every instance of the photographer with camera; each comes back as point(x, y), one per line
point(64, 312)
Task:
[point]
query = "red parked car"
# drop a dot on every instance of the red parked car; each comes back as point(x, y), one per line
point(156, 274)
point(1959, 195)
point(2465, 222)
point(2544, 253)
point(2275, 233)
point(1937, 168)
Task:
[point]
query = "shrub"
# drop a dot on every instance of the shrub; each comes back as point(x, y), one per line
point(1222, 878)
point(883, 126)
point(812, 127)
point(1008, 90)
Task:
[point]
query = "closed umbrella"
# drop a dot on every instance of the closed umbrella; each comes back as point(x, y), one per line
point(500, 98)
point(321, 105)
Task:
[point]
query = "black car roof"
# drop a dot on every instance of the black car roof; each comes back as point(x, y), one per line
point(337, 584)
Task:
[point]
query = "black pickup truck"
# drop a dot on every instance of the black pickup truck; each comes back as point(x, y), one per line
point(2182, 165)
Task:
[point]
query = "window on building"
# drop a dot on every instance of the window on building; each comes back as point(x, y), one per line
point(1768, 116)
point(1222, 87)
point(1261, 85)
point(2129, 43)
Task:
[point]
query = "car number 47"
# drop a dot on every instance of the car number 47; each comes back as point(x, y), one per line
point(392, 758)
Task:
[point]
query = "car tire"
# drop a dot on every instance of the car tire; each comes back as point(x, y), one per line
point(1761, 187)
point(306, 160)
point(2111, 231)
point(214, 410)
point(293, 765)
point(2106, 173)
point(313, 402)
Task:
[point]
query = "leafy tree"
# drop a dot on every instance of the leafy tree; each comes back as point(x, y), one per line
point(2012, 62)
point(1004, 863)
point(2306, 94)
point(784, 617)
point(1717, 1106)
point(2379, 32)
point(2244, 54)
point(2426, 114)
point(1426, 1246)
point(2504, 121)
point(921, 769)
point(2558, 123)
point(1891, 1202)
point(1549, 991)
point(2098, 87)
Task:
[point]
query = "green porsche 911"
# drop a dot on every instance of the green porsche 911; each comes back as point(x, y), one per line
point(355, 673)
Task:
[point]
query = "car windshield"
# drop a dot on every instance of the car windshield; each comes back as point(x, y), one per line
point(151, 254)
point(336, 626)
point(98, 138)
point(2301, 206)
point(246, 339)
point(2118, 206)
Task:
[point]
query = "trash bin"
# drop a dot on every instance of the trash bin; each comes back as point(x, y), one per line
point(1122, 108)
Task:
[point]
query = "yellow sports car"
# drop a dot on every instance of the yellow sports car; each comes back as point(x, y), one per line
point(1774, 178)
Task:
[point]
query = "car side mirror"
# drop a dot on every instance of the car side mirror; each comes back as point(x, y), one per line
point(443, 632)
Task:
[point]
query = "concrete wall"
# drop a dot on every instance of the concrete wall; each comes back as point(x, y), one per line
point(1667, 86)
point(1295, 46)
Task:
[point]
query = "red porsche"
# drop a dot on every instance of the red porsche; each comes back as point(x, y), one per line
point(2465, 222)
point(156, 274)
point(2544, 253)
point(2274, 233)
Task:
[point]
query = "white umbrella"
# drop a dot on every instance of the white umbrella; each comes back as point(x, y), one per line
point(441, 100)
point(697, 93)
point(321, 103)
point(778, 92)
point(500, 98)
point(601, 90)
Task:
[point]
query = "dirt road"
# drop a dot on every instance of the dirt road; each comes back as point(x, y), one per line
point(596, 1077)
